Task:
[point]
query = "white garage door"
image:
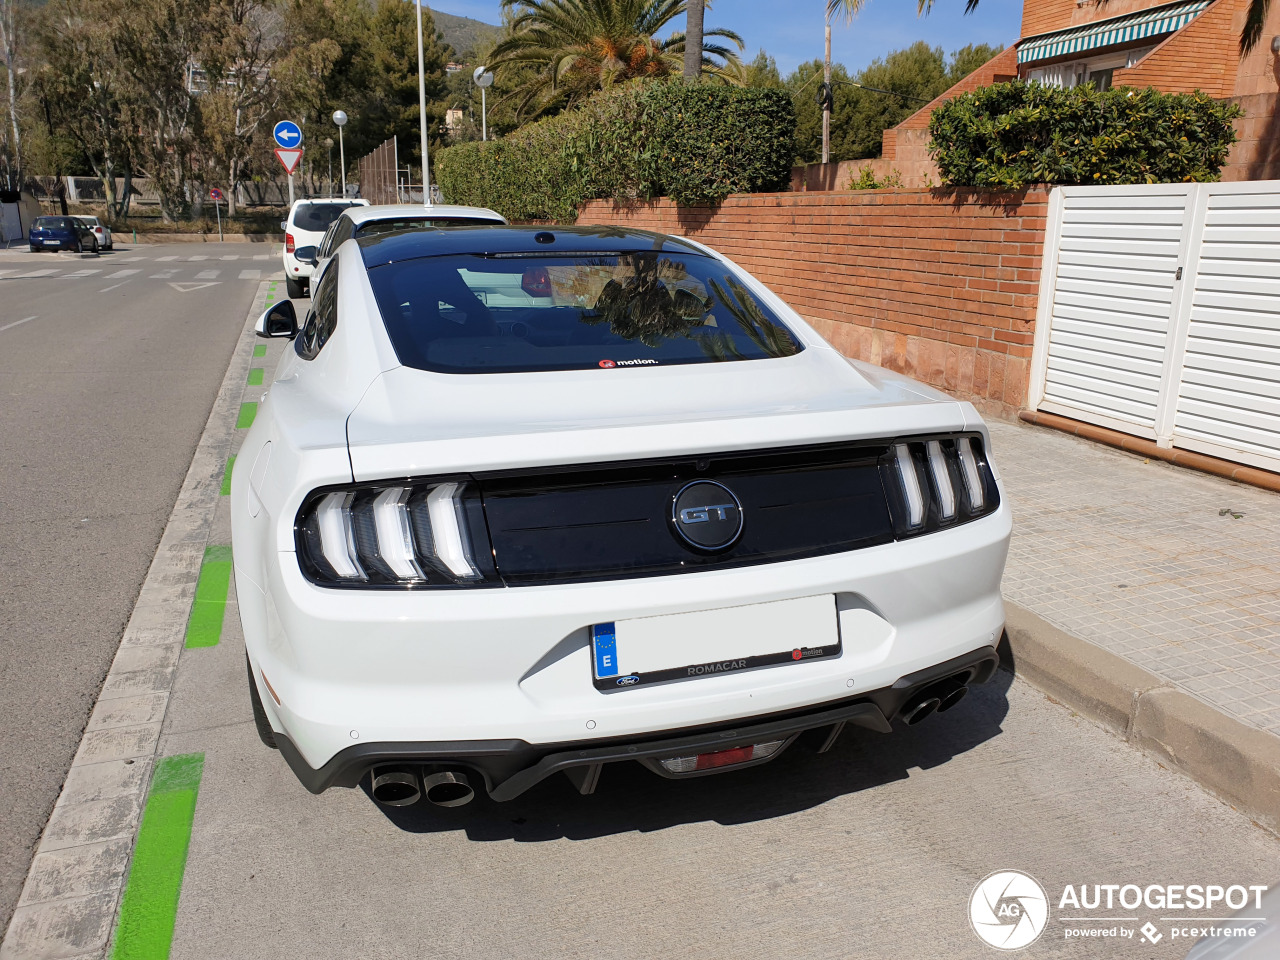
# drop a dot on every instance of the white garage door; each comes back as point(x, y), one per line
point(1159, 315)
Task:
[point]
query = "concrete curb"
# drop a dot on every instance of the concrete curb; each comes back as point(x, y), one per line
point(206, 238)
point(72, 891)
point(1237, 762)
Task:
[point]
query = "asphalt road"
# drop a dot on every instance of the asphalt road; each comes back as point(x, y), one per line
point(108, 368)
point(870, 851)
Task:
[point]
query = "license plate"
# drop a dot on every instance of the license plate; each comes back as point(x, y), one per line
point(53, 243)
point(707, 643)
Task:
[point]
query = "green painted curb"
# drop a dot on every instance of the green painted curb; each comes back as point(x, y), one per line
point(247, 412)
point(149, 908)
point(260, 350)
point(226, 475)
point(255, 377)
point(204, 627)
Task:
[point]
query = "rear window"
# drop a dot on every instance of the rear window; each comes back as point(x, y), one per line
point(318, 216)
point(508, 313)
point(53, 223)
point(376, 228)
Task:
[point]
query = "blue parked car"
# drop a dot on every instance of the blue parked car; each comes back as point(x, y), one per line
point(61, 233)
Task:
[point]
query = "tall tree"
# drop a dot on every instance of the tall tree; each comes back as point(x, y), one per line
point(694, 18)
point(8, 52)
point(580, 46)
point(1254, 20)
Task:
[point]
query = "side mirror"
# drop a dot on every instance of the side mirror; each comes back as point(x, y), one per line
point(278, 320)
point(306, 255)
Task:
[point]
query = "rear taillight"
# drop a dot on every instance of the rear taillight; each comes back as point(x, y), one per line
point(288, 243)
point(408, 534)
point(935, 482)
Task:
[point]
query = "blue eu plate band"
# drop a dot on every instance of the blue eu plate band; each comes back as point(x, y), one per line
point(604, 644)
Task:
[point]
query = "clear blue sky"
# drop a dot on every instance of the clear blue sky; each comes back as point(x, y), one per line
point(791, 30)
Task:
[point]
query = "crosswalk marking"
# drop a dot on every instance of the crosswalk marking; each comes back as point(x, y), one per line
point(129, 259)
point(233, 256)
point(81, 273)
point(163, 275)
point(250, 274)
point(120, 274)
point(262, 256)
point(32, 274)
point(208, 274)
point(199, 256)
point(163, 259)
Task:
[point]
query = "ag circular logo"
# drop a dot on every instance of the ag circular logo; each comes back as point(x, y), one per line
point(707, 515)
point(1008, 910)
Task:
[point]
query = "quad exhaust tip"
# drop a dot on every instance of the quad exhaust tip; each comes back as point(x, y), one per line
point(949, 700)
point(395, 786)
point(448, 788)
point(921, 710)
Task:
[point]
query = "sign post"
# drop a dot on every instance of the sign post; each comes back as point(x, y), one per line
point(288, 135)
point(215, 195)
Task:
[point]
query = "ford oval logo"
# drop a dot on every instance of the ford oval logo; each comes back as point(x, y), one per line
point(707, 515)
point(628, 681)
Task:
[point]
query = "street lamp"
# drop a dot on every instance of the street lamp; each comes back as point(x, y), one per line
point(483, 78)
point(328, 145)
point(340, 118)
point(422, 113)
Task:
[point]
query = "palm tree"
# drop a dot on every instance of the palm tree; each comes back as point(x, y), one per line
point(1249, 36)
point(693, 38)
point(581, 46)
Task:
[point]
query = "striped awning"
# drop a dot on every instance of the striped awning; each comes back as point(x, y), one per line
point(1106, 33)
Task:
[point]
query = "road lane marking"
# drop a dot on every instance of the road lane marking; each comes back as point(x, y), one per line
point(188, 287)
point(208, 274)
point(204, 627)
point(80, 273)
point(248, 411)
point(120, 274)
point(255, 377)
point(165, 259)
point(113, 286)
point(17, 322)
point(199, 256)
point(250, 274)
point(262, 256)
point(149, 908)
point(226, 476)
point(163, 275)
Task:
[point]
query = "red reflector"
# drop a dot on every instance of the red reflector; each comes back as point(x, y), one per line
point(288, 243)
point(724, 758)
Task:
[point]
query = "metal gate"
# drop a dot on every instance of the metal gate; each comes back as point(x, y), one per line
point(1159, 315)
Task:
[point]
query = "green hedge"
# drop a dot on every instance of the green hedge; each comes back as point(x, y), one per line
point(694, 143)
point(1014, 134)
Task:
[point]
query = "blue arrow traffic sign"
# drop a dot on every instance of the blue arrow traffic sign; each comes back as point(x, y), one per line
point(287, 133)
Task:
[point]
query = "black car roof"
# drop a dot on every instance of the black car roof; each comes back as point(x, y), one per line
point(539, 241)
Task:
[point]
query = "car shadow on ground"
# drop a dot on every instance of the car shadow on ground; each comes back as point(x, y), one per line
point(630, 798)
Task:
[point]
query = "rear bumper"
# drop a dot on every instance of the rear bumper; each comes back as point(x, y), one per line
point(511, 767)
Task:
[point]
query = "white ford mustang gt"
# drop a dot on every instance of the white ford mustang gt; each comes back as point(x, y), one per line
point(525, 501)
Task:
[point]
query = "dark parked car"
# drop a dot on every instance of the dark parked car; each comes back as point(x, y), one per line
point(61, 233)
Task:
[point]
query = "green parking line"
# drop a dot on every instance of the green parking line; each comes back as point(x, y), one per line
point(247, 412)
point(226, 475)
point(255, 377)
point(205, 625)
point(260, 350)
point(150, 904)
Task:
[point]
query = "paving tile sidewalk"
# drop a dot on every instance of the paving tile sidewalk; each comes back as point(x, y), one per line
point(1136, 557)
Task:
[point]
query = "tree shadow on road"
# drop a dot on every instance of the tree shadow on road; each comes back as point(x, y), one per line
point(629, 798)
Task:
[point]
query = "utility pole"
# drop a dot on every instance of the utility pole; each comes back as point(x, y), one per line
point(422, 112)
point(826, 99)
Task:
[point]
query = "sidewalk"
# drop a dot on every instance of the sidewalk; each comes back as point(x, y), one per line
point(1136, 557)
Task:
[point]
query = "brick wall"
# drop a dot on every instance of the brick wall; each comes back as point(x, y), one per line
point(940, 285)
point(1201, 56)
point(1256, 156)
point(1045, 16)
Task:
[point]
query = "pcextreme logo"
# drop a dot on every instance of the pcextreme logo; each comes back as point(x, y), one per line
point(1008, 910)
